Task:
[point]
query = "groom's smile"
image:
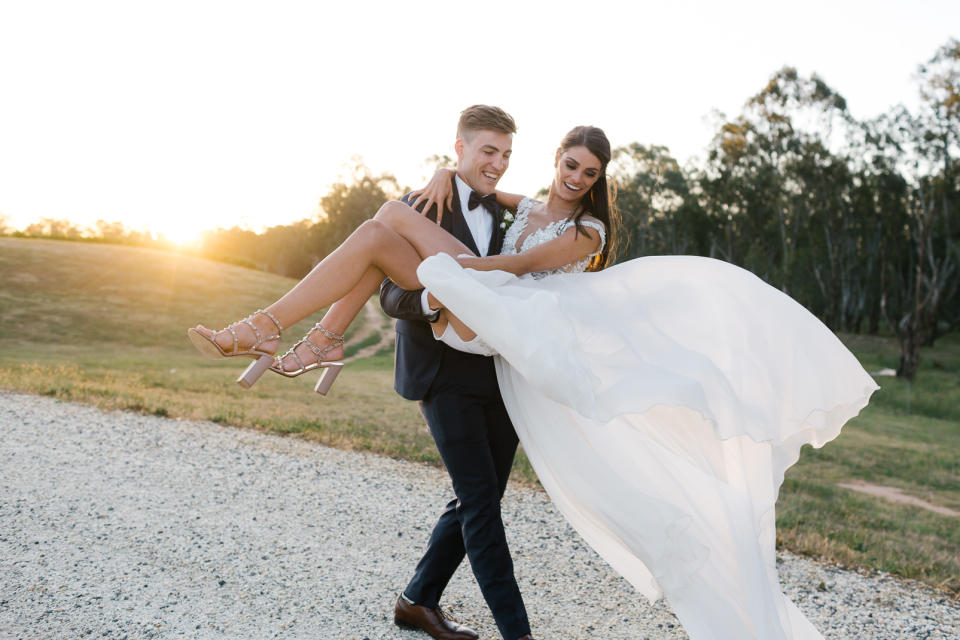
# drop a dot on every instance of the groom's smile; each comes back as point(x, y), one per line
point(482, 158)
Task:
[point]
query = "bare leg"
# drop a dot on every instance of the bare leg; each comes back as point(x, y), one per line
point(393, 243)
point(422, 234)
point(426, 237)
point(337, 318)
point(371, 250)
point(466, 333)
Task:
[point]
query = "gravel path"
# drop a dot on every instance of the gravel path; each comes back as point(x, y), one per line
point(123, 526)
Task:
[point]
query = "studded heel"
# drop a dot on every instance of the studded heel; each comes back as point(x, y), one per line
point(330, 369)
point(208, 345)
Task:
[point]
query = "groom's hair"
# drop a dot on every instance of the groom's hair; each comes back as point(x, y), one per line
point(481, 116)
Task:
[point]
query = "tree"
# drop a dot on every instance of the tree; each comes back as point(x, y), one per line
point(347, 205)
point(763, 169)
point(925, 288)
point(53, 228)
point(660, 214)
point(940, 91)
point(437, 161)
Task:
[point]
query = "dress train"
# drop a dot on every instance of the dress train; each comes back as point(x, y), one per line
point(660, 402)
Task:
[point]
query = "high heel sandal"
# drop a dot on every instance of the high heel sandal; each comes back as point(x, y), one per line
point(209, 346)
point(330, 369)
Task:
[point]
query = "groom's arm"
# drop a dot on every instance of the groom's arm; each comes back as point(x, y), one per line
point(397, 302)
point(401, 303)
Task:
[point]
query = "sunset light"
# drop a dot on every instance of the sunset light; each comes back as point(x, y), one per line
point(182, 235)
point(182, 117)
point(580, 352)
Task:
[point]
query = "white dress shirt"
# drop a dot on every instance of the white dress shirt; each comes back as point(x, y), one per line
point(480, 222)
point(478, 219)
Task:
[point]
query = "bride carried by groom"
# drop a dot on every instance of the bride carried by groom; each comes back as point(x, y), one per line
point(660, 400)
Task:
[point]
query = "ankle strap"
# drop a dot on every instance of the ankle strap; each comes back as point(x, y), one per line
point(320, 352)
point(336, 337)
point(272, 317)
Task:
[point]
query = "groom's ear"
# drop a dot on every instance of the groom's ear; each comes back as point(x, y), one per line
point(458, 148)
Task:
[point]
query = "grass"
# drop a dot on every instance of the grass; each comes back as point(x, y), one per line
point(918, 452)
point(105, 325)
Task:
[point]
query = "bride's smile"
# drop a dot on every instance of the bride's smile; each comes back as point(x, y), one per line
point(577, 171)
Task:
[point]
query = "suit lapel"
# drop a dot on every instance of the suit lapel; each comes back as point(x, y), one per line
point(496, 237)
point(459, 227)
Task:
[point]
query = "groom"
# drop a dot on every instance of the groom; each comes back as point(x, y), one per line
point(461, 402)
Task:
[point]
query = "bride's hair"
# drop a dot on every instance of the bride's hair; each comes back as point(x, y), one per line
point(600, 201)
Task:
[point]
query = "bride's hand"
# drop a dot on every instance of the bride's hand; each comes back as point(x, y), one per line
point(438, 190)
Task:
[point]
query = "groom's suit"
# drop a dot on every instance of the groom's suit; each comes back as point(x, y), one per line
point(460, 400)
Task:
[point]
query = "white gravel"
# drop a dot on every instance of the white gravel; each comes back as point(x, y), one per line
point(115, 525)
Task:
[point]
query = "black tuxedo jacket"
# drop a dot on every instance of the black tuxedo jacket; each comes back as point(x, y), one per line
point(419, 356)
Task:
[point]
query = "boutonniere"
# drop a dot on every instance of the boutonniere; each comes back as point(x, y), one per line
point(506, 220)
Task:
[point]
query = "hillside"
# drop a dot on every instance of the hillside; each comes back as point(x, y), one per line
point(105, 325)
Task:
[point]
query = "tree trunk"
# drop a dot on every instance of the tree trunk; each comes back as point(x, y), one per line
point(909, 355)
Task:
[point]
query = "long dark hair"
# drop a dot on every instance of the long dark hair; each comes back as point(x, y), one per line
point(600, 201)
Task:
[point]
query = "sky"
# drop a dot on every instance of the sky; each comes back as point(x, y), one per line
point(178, 117)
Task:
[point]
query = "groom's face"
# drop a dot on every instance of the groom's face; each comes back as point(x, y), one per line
point(482, 158)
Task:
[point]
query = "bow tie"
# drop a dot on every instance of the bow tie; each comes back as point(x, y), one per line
point(488, 202)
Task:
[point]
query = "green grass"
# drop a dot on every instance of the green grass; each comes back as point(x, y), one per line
point(918, 452)
point(105, 325)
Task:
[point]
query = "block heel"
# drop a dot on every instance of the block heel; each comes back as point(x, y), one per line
point(330, 372)
point(253, 372)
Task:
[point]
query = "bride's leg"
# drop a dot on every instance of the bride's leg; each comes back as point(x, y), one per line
point(370, 251)
point(447, 318)
point(415, 232)
point(466, 333)
point(337, 318)
point(428, 238)
point(394, 243)
point(372, 244)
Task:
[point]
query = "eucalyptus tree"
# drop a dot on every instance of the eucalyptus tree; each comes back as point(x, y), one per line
point(660, 214)
point(349, 203)
point(938, 195)
point(920, 282)
point(776, 179)
point(880, 196)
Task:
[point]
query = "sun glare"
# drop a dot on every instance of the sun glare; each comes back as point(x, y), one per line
point(182, 234)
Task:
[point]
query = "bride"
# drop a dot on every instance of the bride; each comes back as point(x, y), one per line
point(660, 401)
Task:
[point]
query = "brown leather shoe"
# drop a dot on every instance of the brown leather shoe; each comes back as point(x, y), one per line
point(433, 621)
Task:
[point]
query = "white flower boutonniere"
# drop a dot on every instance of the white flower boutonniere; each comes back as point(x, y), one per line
point(507, 220)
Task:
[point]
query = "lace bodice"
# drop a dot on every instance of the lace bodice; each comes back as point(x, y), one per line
point(545, 234)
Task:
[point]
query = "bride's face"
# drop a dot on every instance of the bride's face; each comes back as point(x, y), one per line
point(577, 171)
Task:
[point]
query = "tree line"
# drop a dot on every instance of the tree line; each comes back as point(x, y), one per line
point(858, 220)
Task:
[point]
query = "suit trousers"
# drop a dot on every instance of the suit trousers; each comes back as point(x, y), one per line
point(477, 444)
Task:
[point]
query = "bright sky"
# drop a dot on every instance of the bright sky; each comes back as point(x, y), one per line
point(183, 116)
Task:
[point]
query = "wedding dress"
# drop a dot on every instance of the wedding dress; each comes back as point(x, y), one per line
point(660, 402)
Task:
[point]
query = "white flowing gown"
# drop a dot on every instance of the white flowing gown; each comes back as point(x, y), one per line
point(660, 402)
